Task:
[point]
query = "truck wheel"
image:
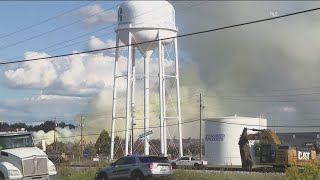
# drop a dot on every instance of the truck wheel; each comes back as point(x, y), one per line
point(101, 176)
point(136, 176)
point(2, 176)
point(196, 166)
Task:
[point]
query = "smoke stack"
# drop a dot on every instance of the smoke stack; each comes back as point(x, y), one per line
point(43, 142)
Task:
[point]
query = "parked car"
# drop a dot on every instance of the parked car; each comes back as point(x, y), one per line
point(188, 161)
point(137, 168)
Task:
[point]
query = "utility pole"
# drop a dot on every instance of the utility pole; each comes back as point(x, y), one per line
point(81, 134)
point(132, 142)
point(201, 108)
point(54, 134)
point(131, 149)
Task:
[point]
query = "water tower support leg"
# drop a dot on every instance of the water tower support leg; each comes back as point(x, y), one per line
point(132, 97)
point(161, 93)
point(128, 117)
point(146, 104)
point(164, 103)
point(178, 96)
point(114, 98)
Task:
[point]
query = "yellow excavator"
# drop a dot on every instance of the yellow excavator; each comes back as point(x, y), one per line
point(272, 152)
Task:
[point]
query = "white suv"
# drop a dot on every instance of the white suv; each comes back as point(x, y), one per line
point(137, 168)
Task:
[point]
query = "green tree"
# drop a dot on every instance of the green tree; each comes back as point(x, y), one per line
point(75, 149)
point(89, 150)
point(103, 143)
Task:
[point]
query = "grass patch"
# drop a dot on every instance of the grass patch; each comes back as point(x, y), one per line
point(67, 173)
point(225, 175)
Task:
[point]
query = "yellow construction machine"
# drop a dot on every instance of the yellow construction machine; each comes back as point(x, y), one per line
point(272, 152)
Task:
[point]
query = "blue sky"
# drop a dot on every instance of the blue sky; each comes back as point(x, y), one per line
point(24, 14)
point(20, 15)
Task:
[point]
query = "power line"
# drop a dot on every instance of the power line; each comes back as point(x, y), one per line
point(55, 29)
point(196, 120)
point(279, 126)
point(47, 20)
point(151, 127)
point(296, 89)
point(168, 38)
point(188, 99)
point(270, 95)
point(276, 90)
point(111, 32)
point(264, 100)
point(84, 35)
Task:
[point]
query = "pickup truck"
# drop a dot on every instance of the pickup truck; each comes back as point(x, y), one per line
point(188, 161)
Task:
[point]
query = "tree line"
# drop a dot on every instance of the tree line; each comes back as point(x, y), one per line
point(45, 126)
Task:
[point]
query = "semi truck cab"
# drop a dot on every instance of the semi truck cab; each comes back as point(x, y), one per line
point(19, 159)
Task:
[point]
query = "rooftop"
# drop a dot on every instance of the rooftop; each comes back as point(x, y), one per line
point(15, 133)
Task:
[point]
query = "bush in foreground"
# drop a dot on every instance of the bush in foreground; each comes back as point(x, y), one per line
point(310, 171)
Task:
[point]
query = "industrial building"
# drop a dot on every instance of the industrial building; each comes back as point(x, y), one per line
point(222, 136)
point(299, 138)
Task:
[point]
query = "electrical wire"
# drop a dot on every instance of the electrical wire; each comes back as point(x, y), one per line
point(118, 131)
point(84, 35)
point(263, 100)
point(197, 120)
point(55, 29)
point(188, 99)
point(163, 39)
point(270, 95)
point(47, 20)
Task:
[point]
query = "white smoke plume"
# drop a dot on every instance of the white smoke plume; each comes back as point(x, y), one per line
point(252, 69)
point(64, 135)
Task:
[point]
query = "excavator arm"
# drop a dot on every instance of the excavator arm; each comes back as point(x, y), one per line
point(265, 136)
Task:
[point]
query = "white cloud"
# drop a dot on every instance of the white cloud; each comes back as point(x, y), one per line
point(28, 74)
point(96, 43)
point(95, 14)
point(81, 75)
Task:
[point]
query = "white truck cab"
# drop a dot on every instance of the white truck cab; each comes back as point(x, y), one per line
point(19, 159)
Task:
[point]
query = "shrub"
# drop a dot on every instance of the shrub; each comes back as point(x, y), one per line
point(310, 171)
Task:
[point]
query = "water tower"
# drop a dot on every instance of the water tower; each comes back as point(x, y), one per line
point(143, 21)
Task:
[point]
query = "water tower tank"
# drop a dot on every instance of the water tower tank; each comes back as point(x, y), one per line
point(143, 19)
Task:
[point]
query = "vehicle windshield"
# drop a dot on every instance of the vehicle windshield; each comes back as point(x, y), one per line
point(9, 142)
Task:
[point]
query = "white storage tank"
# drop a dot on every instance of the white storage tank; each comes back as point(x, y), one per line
point(222, 136)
